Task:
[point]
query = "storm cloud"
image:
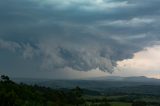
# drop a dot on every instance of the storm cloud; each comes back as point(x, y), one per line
point(79, 34)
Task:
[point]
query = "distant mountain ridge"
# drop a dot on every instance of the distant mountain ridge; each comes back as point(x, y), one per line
point(130, 79)
point(98, 83)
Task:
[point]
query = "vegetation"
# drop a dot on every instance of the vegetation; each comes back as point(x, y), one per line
point(13, 94)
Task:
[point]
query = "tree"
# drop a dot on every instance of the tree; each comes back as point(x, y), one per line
point(77, 91)
point(139, 103)
point(75, 96)
point(5, 78)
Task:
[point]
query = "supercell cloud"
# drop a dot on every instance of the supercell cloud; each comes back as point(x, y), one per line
point(78, 34)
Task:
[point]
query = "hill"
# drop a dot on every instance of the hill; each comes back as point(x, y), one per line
point(100, 83)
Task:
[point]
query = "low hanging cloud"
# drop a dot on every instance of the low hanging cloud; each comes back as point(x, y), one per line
point(27, 51)
point(57, 56)
point(76, 56)
point(9, 45)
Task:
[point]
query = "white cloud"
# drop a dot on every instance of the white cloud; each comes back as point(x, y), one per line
point(134, 22)
point(76, 56)
point(101, 5)
point(9, 45)
point(26, 49)
point(29, 52)
point(145, 62)
point(86, 4)
point(127, 39)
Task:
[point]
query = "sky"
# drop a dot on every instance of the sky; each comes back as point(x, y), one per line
point(79, 38)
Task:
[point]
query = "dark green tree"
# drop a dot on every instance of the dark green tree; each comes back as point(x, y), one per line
point(139, 103)
point(5, 78)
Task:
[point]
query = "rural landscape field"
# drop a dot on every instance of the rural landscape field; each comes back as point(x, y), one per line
point(111, 94)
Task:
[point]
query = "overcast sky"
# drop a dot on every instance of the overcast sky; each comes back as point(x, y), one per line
point(79, 38)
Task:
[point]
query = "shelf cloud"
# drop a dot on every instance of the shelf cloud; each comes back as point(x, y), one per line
point(81, 35)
